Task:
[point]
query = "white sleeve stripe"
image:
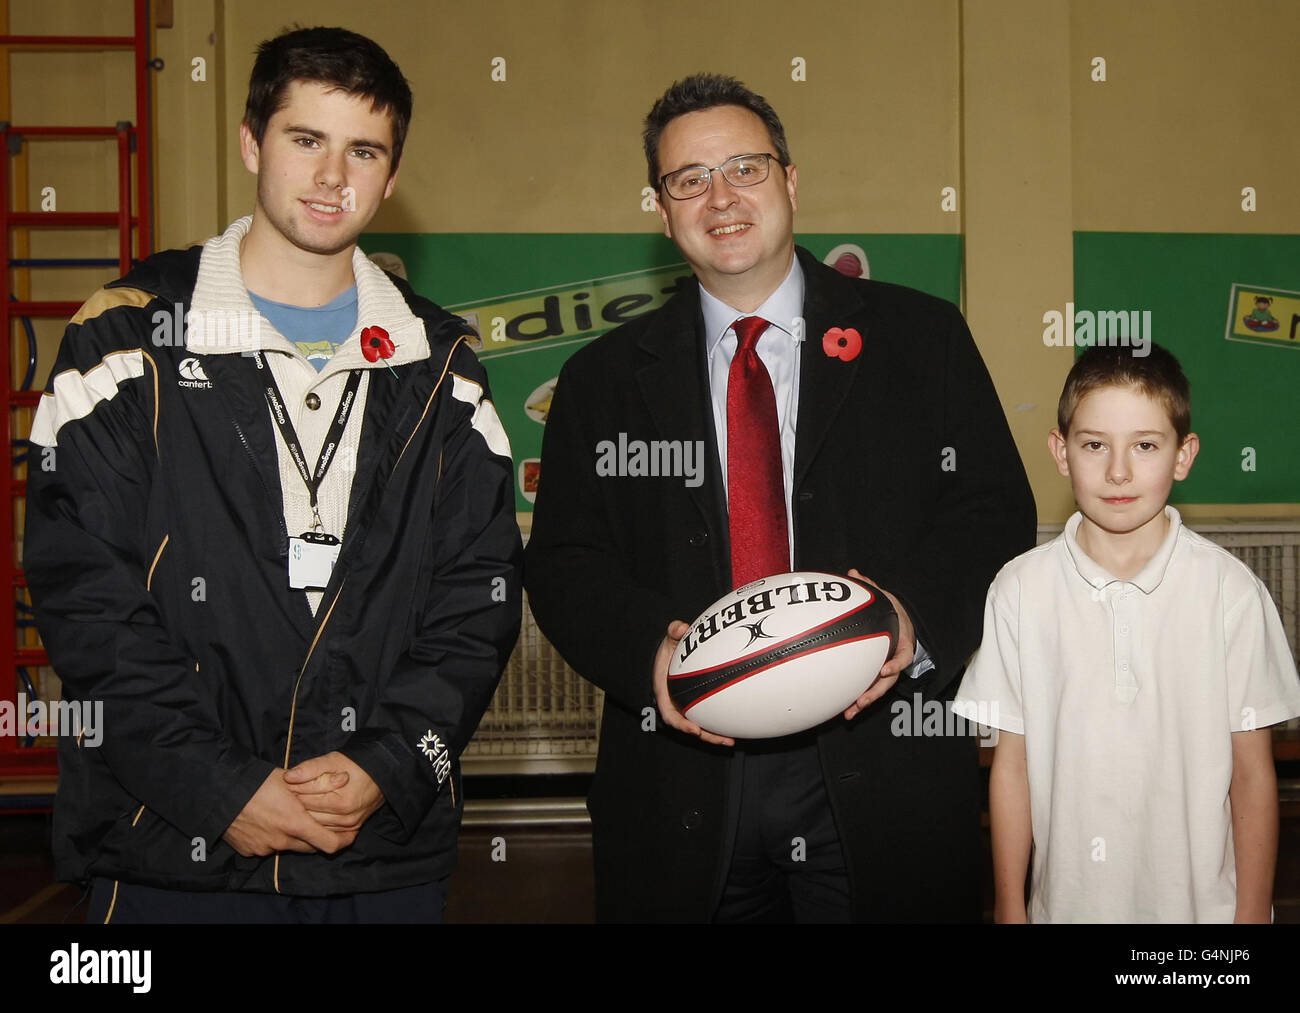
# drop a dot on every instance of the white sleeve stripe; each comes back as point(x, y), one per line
point(485, 419)
point(75, 394)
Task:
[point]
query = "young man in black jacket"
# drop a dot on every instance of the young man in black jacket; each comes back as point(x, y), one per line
point(277, 546)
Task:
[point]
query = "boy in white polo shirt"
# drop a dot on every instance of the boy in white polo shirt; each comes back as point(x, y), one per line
point(1133, 668)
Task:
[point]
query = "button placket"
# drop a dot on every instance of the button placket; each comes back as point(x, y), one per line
point(1122, 618)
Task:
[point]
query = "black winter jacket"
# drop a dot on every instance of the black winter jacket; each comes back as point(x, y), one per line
point(153, 483)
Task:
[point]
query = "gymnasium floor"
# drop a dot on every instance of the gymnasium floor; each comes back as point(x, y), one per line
point(520, 860)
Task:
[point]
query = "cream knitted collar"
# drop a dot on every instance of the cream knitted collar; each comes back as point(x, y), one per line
point(222, 318)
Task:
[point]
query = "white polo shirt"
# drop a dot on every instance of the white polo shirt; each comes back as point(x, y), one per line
point(1127, 693)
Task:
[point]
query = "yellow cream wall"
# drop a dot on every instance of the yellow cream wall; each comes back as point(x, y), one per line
point(1199, 103)
point(994, 97)
point(556, 146)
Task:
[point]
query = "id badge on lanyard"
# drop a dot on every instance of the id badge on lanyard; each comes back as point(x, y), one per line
point(312, 554)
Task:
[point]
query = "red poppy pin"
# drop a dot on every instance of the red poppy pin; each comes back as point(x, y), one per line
point(842, 344)
point(376, 344)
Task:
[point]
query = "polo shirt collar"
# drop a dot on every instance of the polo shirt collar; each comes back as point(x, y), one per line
point(1097, 575)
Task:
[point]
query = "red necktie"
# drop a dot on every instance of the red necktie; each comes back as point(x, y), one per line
point(760, 543)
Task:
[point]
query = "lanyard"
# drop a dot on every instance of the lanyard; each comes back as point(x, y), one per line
point(275, 400)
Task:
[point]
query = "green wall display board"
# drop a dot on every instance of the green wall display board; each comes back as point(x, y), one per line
point(537, 298)
point(1229, 307)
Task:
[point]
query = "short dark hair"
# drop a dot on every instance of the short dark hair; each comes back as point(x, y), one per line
point(330, 56)
point(705, 91)
point(1157, 374)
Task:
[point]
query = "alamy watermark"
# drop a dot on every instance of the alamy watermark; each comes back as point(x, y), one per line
point(1105, 328)
point(75, 966)
point(651, 459)
point(174, 328)
point(83, 720)
point(931, 718)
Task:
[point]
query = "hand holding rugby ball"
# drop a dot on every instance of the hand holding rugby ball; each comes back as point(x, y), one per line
point(782, 654)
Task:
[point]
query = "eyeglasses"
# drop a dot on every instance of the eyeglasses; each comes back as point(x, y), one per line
point(743, 170)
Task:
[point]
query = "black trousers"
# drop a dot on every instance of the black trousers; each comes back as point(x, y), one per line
point(118, 902)
point(786, 863)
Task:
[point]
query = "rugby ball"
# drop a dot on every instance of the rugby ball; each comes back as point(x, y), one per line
point(782, 654)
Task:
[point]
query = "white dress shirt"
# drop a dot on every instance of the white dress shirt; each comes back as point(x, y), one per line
point(778, 348)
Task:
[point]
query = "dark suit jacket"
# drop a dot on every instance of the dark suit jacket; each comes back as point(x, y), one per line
point(904, 468)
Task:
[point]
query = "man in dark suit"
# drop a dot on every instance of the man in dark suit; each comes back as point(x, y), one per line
point(842, 424)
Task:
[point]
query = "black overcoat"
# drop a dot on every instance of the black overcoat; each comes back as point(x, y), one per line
point(904, 468)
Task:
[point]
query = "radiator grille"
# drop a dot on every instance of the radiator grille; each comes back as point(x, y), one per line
point(545, 717)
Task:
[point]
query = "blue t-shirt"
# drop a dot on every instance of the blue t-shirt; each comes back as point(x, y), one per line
point(318, 331)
